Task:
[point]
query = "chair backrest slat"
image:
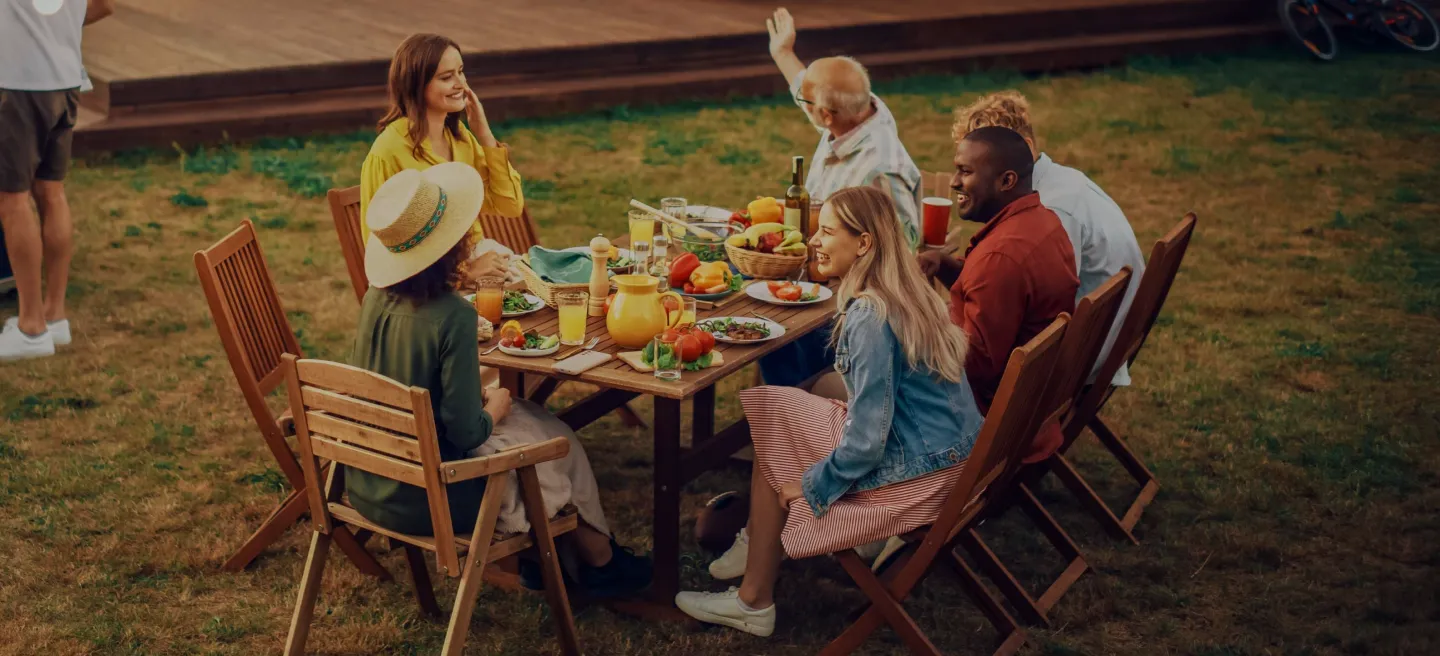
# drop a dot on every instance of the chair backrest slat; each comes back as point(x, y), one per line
point(404, 447)
point(1009, 425)
point(518, 233)
point(366, 421)
point(345, 210)
point(364, 411)
point(1150, 295)
point(364, 459)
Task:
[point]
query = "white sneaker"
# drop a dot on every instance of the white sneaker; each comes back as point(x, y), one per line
point(724, 608)
point(16, 345)
point(731, 564)
point(59, 330)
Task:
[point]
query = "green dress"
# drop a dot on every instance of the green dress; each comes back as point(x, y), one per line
point(431, 345)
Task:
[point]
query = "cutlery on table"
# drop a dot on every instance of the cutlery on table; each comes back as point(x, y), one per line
point(586, 347)
point(490, 350)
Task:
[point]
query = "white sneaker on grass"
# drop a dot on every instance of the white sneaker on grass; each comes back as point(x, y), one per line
point(59, 330)
point(724, 608)
point(16, 345)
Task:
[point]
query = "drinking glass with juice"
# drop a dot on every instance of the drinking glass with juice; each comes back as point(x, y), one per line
point(573, 308)
point(687, 313)
point(642, 227)
point(490, 299)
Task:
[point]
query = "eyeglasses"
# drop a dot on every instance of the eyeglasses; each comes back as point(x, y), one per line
point(806, 101)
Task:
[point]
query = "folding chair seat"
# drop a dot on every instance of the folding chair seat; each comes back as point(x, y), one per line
point(365, 421)
point(255, 333)
point(993, 460)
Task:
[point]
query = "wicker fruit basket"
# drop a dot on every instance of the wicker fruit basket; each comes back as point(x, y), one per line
point(547, 290)
point(763, 265)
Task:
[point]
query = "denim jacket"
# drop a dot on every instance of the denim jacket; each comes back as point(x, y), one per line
point(902, 422)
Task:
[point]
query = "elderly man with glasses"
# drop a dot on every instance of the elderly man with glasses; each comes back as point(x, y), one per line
point(859, 146)
point(860, 143)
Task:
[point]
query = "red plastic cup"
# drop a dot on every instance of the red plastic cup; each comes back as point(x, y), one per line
point(936, 220)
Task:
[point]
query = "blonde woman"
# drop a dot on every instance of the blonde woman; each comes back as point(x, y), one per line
point(831, 476)
point(428, 98)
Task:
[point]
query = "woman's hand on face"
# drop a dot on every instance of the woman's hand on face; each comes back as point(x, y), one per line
point(789, 492)
point(490, 264)
point(475, 116)
point(497, 403)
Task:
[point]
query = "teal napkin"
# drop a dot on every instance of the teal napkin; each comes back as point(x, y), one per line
point(560, 267)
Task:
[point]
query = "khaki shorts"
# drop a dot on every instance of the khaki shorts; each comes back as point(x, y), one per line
point(36, 128)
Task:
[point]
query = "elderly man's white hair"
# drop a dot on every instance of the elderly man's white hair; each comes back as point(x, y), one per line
point(839, 84)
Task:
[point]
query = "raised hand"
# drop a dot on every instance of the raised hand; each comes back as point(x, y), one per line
point(475, 116)
point(782, 33)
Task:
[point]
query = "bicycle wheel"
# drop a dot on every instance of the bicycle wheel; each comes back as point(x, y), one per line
point(1409, 25)
point(1302, 19)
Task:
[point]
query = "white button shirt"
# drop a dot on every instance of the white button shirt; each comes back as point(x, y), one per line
point(1101, 235)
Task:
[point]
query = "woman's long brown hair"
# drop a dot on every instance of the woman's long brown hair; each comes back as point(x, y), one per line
point(411, 70)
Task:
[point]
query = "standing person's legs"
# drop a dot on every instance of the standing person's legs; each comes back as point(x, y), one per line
point(23, 244)
point(57, 234)
point(767, 520)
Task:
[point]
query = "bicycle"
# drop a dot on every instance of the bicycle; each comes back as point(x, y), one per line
point(1403, 21)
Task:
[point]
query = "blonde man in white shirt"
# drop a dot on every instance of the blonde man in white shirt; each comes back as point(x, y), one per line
point(1098, 230)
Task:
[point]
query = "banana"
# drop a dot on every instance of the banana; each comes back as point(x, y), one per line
point(738, 241)
point(792, 249)
point(754, 231)
point(792, 237)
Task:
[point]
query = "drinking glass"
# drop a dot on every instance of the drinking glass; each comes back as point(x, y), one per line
point(640, 258)
point(675, 207)
point(667, 357)
point(490, 298)
point(642, 227)
point(687, 311)
point(574, 312)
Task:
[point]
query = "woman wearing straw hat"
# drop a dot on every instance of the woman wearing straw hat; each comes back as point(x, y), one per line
point(428, 98)
point(415, 329)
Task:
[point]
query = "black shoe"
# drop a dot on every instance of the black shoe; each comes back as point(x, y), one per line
point(625, 575)
point(533, 579)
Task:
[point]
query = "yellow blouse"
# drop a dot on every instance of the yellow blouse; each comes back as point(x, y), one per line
point(393, 153)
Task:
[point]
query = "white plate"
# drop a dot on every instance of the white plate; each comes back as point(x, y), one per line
point(776, 330)
point(707, 212)
point(536, 303)
point(761, 291)
point(529, 353)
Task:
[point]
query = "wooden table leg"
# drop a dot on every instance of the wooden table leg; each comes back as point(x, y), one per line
point(514, 381)
point(666, 527)
point(703, 427)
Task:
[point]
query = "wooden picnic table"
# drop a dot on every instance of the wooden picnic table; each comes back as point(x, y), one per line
point(618, 382)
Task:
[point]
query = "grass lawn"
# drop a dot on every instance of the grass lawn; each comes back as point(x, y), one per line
point(1286, 401)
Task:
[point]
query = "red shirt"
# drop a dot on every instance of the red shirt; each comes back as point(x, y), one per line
point(1019, 274)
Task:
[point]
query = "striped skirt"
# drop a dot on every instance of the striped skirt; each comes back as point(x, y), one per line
point(792, 430)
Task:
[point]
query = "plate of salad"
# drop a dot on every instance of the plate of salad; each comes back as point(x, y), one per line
point(694, 348)
point(741, 330)
point(517, 304)
point(784, 292)
point(528, 344)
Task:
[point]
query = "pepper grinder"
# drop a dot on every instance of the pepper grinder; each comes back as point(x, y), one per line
point(599, 276)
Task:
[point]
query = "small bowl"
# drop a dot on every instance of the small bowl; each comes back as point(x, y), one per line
point(705, 249)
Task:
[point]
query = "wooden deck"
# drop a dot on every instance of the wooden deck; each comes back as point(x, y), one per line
point(188, 70)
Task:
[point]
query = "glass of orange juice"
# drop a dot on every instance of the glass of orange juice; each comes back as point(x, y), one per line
point(574, 313)
point(642, 227)
point(490, 298)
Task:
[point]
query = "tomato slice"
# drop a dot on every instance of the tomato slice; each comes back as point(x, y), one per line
point(775, 285)
point(788, 293)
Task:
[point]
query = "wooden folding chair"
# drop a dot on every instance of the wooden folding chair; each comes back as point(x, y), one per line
point(996, 454)
point(345, 210)
point(1084, 339)
point(366, 421)
point(255, 333)
point(1160, 271)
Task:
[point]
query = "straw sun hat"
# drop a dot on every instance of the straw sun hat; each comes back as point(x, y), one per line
point(418, 216)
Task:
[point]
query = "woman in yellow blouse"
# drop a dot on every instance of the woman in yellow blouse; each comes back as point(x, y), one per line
point(428, 93)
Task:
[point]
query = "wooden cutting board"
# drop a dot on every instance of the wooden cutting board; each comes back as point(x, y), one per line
point(636, 362)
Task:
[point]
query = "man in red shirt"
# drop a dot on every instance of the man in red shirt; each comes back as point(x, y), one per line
point(1018, 273)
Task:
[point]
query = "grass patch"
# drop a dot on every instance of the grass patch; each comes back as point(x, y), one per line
point(1285, 398)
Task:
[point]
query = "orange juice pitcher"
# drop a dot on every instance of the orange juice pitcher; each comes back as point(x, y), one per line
point(640, 312)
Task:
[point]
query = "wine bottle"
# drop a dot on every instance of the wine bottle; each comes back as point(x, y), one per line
point(797, 198)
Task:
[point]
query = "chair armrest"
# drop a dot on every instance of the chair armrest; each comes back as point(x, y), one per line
point(509, 459)
point(286, 423)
